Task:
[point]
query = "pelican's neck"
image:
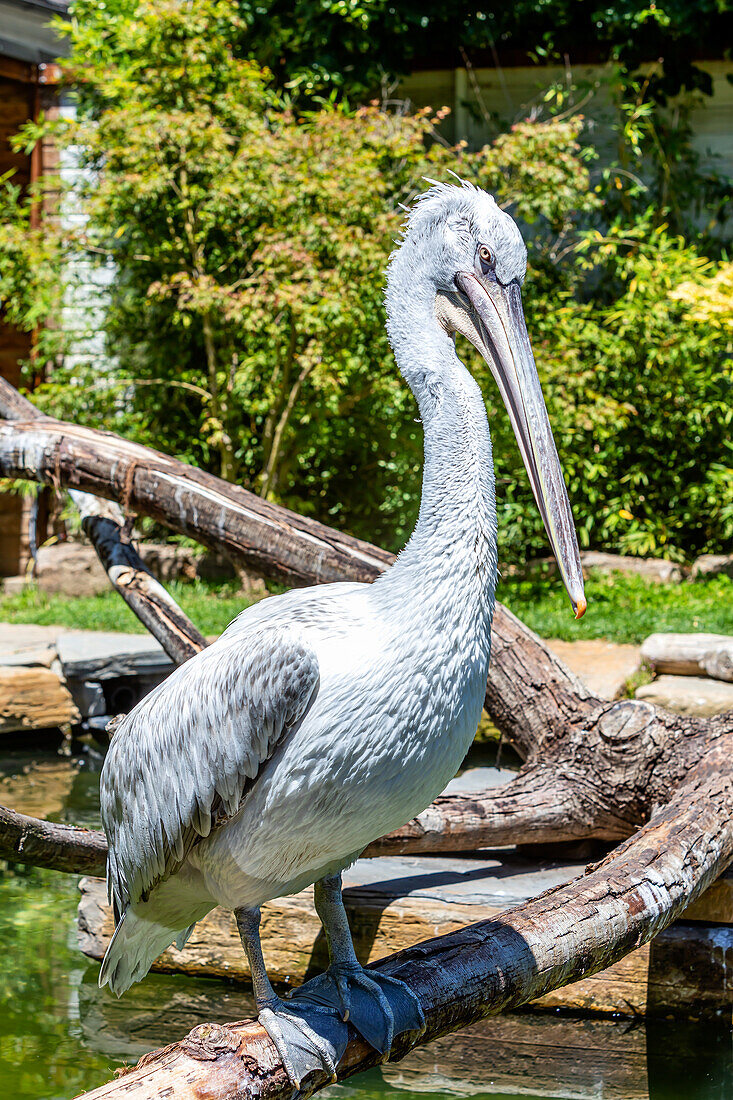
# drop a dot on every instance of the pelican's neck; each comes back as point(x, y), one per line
point(453, 546)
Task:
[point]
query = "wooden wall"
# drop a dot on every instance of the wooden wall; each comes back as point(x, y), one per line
point(18, 94)
point(483, 101)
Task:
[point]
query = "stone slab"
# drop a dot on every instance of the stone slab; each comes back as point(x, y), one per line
point(603, 667)
point(653, 569)
point(33, 698)
point(27, 644)
point(688, 694)
point(690, 654)
point(99, 655)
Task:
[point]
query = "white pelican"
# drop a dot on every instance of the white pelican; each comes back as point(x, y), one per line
point(323, 718)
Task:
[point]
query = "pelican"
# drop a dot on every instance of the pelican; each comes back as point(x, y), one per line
point(325, 717)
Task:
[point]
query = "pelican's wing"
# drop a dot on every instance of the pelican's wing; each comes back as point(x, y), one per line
point(180, 762)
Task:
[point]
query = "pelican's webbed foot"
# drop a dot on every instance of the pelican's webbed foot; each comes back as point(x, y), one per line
point(306, 1038)
point(379, 1007)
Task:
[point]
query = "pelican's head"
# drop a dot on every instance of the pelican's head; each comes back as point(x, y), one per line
point(470, 252)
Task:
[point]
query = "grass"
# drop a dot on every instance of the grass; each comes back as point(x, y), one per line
point(210, 606)
point(620, 608)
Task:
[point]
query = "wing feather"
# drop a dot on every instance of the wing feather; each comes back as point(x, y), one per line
point(181, 761)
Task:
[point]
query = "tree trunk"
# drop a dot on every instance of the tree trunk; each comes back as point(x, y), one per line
point(495, 965)
point(103, 523)
point(592, 769)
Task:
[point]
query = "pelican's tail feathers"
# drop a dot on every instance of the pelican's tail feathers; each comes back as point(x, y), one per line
point(184, 936)
point(133, 949)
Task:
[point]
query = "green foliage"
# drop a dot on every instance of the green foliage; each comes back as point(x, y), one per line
point(245, 321)
point(640, 393)
point(319, 48)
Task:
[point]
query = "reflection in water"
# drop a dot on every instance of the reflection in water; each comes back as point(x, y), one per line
point(60, 1034)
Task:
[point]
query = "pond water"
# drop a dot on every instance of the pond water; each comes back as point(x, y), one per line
point(60, 1034)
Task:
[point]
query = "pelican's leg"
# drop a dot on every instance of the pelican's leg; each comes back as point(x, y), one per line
point(303, 1042)
point(378, 1006)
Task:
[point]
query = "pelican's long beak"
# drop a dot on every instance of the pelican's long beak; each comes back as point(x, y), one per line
point(502, 339)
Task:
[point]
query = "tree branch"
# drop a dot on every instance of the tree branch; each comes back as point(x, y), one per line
point(594, 768)
point(103, 524)
point(494, 965)
point(25, 839)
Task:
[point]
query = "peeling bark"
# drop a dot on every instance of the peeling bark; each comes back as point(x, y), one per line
point(104, 525)
point(494, 965)
point(593, 769)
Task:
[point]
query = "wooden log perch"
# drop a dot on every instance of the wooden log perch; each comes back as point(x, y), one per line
point(104, 525)
point(593, 769)
point(494, 965)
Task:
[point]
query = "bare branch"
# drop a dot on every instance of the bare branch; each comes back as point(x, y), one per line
point(559, 937)
point(47, 844)
point(103, 523)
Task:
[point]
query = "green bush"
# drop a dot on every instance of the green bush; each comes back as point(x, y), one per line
point(245, 321)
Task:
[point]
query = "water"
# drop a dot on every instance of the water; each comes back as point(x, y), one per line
point(60, 1035)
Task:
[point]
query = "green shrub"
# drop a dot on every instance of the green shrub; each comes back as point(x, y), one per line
point(245, 323)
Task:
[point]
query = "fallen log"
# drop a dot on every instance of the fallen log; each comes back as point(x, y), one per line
point(536, 1052)
point(268, 539)
point(593, 769)
point(104, 525)
point(494, 965)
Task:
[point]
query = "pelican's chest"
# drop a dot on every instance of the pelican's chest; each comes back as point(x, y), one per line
point(396, 718)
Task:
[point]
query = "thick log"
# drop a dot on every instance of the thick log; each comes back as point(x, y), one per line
point(524, 1053)
point(690, 654)
point(104, 525)
point(562, 936)
point(268, 539)
point(45, 844)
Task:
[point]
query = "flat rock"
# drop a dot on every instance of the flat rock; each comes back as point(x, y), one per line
point(688, 694)
point(603, 667)
point(479, 779)
point(97, 655)
point(691, 654)
point(27, 644)
point(70, 569)
point(653, 569)
point(13, 586)
point(33, 698)
point(711, 565)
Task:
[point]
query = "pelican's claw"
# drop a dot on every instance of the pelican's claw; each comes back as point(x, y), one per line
point(307, 1038)
point(379, 1007)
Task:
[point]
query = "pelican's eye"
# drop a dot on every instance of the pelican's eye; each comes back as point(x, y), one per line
point(485, 259)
